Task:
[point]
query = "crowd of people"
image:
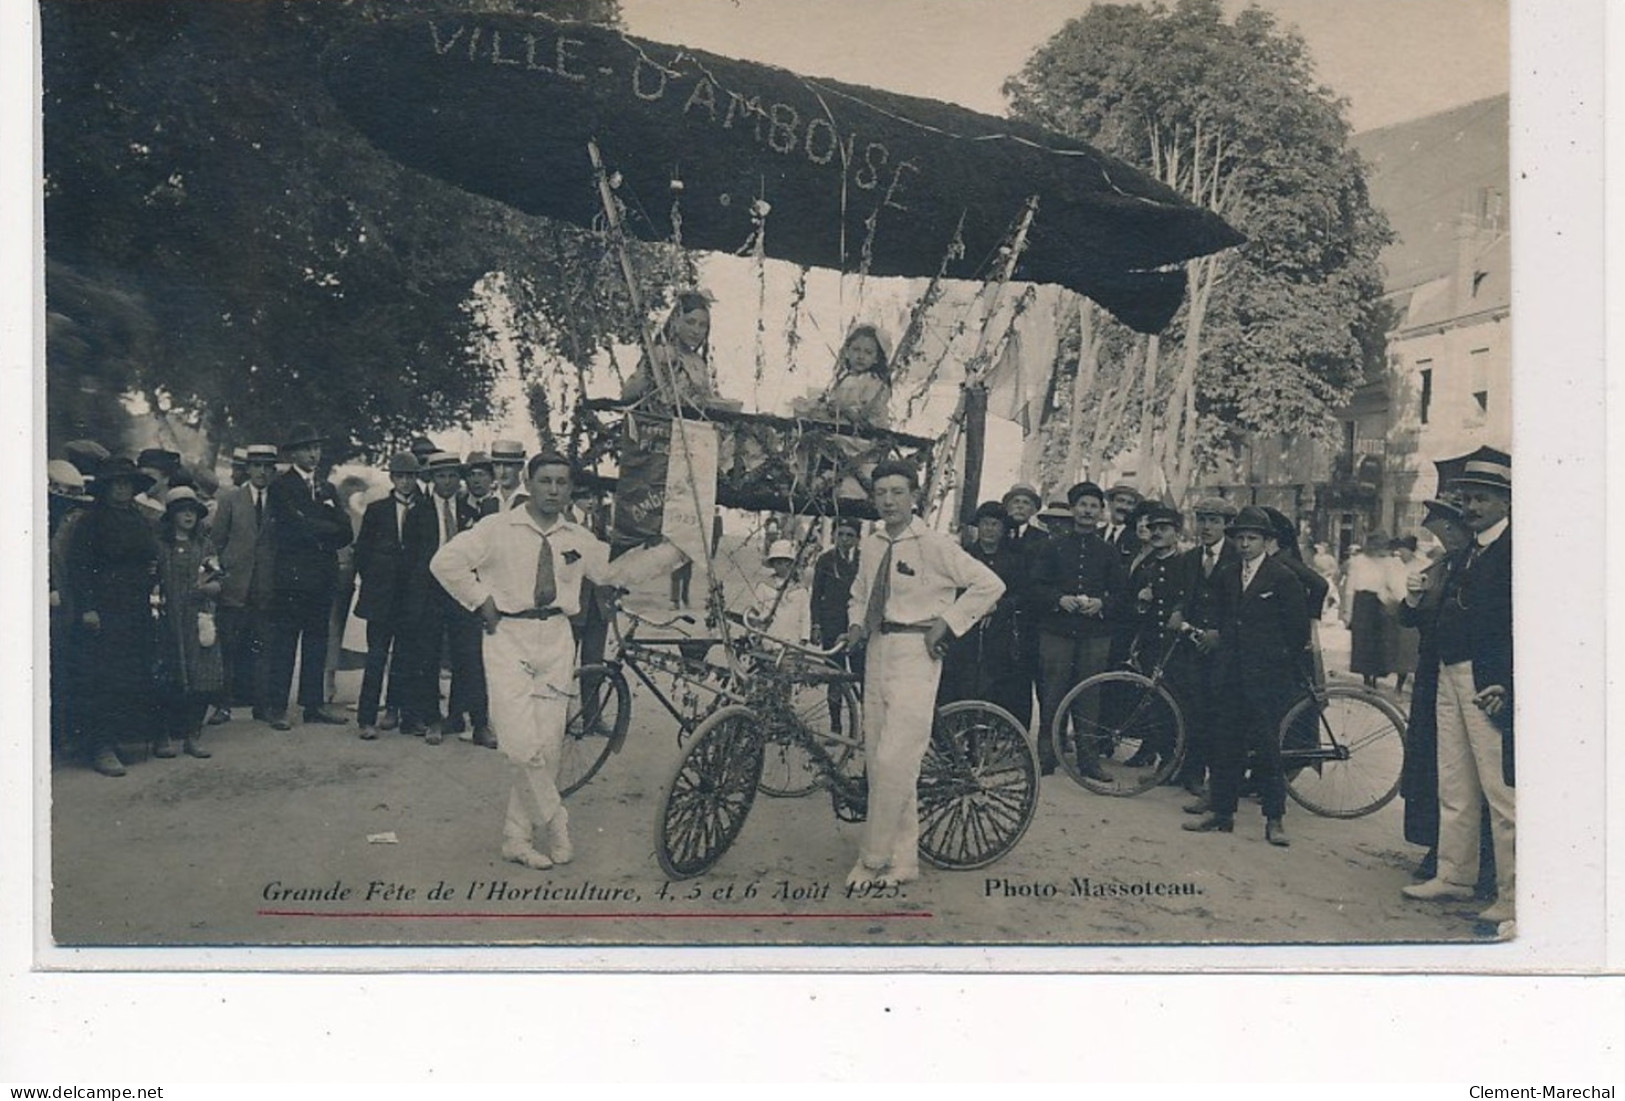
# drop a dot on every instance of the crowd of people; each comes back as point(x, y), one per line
point(176, 604)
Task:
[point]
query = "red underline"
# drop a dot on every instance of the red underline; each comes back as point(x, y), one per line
point(658, 916)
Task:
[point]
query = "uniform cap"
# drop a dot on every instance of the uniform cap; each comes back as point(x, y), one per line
point(1084, 489)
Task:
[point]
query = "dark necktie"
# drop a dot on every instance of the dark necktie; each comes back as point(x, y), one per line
point(875, 613)
point(546, 590)
point(259, 507)
point(1210, 558)
point(447, 524)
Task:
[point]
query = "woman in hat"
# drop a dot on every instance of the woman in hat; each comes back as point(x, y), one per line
point(1370, 594)
point(684, 378)
point(111, 559)
point(189, 672)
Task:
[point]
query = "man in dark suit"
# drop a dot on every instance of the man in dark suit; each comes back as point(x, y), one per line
point(1119, 528)
point(307, 531)
point(480, 476)
point(1263, 627)
point(833, 574)
point(1473, 634)
point(1078, 592)
point(508, 460)
point(985, 663)
point(381, 562)
point(242, 532)
point(439, 622)
point(1205, 565)
point(1024, 535)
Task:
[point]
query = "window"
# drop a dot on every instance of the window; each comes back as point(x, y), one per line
point(1427, 392)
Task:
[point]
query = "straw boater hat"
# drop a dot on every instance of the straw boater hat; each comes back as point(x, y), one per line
point(404, 462)
point(1123, 489)
point(507, 451)
point(63, 479)
point(1252, 518)
point(1056, 510)
point(1493, 469)
point(442, 460)
point(260, 453)
point(239, 456)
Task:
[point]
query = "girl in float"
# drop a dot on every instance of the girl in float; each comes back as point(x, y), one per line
point(683, 383)
point(684, 380)
point(860, 396)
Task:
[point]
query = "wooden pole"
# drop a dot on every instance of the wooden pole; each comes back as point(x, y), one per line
point(973, 408)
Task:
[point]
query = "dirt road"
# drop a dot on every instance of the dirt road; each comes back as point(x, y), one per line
point(267, 843)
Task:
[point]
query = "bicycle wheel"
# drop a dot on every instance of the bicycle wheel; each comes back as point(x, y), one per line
point(1343, 756)
point(789, 769)
point(596, 727)
point(705, 800)
point(978, 786)
point(1127, 724)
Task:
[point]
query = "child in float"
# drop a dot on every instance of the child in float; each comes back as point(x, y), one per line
point(786, 616)
point(861, 393)
point(684, 343)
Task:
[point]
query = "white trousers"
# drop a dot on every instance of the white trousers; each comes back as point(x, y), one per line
point(899, 706)
point(1469, 774)
point(530, 680)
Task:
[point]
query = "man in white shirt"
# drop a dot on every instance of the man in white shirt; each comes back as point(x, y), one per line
point(520, 571)
point(915, 591)
point(508, 461)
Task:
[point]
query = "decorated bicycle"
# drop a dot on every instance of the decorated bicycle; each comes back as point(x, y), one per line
point(841, 191)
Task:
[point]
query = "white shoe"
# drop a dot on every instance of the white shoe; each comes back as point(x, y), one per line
point(1497, 912)
point(863, 872)
point(1437, 890)
point(904, 873)
point(526, 855)
point(558, 838)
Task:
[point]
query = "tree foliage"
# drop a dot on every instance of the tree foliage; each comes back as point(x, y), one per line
point(1275, 335)
point(222, 241)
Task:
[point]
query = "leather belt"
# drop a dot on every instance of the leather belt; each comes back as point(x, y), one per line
point(533, 613)
point(905, 628)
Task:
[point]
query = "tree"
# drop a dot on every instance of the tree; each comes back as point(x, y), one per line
point(1273, 335)
point(276, 265)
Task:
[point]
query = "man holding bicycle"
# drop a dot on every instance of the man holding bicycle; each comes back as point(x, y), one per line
point(1263, 627)
point(916, 590)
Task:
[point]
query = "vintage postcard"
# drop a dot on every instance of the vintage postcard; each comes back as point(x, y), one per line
point(1008, 485)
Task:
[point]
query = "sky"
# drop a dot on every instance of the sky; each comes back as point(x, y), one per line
point(1392, 59)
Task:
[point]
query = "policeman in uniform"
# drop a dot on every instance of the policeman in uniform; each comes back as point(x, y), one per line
point(987, 662)
point(1159, 584)
point(916, 590)
point(1079, 591)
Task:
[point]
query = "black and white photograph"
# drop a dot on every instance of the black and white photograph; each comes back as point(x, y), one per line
point(683, 473)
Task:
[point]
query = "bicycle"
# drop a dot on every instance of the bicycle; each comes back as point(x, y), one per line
point(1342, 746)
point(599, 721)
point(978, 786)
